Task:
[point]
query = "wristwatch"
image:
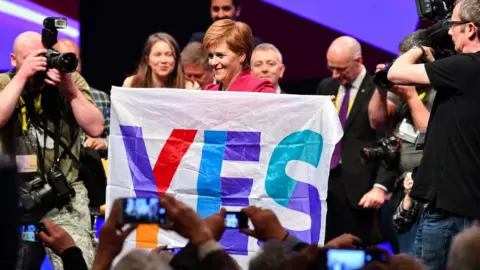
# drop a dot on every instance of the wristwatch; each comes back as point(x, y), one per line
point(424, 53)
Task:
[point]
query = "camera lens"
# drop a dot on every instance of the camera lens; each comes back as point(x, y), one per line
point(65, 62)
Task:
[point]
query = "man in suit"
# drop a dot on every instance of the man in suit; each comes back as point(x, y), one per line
point(266, 63)
point(355, 190)
point(219, 10)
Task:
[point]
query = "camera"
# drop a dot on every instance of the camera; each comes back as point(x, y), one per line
point(435, 36)
point(387, 152)
point(64, 62)
point(434, 9)
point(55, 192)
point(380, 78)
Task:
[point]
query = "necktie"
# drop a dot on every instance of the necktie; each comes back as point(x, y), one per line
point(342, 114)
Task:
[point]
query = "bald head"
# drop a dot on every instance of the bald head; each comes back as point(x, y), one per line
point(25, 44)
point(344, 57)
point(65, 45)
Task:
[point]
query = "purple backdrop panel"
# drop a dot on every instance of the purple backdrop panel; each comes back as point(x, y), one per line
point(19, 16)
point(381, 23)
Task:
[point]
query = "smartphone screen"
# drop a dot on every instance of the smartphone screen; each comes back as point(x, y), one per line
point(30, 232)
point(236, 220)
point(173, 250)
point(345, 259)
point(143, 211)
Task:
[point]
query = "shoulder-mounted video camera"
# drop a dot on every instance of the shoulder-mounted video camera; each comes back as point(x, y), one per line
point(64, 62)
point(435, 36)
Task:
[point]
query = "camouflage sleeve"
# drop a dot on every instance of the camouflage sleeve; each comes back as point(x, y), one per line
point(82, 85)
point(4, 80)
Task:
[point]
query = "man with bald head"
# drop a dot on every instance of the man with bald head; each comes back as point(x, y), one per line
point(355, 190)
point(41, 113)
point(66, 45)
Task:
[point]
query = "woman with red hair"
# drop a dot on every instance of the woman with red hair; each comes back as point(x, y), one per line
point(230, 46)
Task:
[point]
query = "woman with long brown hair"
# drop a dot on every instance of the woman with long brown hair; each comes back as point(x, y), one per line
point(160, 65)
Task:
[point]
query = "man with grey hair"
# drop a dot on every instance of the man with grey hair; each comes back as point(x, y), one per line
point(267, 64)
point(463, 253)
point(194, 59)
point(447, 178)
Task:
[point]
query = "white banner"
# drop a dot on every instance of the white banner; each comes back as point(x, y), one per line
point(224, 149)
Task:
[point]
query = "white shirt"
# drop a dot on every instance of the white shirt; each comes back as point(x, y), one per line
point(353, 94)
point(278, 89)
point(353, 89)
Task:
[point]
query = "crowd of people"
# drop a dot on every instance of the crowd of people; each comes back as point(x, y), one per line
point(423, 206)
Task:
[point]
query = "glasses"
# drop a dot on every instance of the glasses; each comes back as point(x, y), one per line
point(340, 69)
point(451, 23)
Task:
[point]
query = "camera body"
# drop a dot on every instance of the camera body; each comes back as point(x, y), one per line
point(387, 152)
point(64, 62)
point(434, 10)
point(54, 192)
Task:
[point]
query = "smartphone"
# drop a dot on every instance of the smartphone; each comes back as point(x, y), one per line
point(345, 259)
point(236, 220)
point(141, 211)
point(173, 250)
point(375, 255)
point(30, 232)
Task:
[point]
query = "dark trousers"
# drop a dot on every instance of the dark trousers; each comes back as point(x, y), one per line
point(30, 255)
point(342, 217)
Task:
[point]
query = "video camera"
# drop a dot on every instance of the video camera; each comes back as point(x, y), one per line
point(435, 36)
point(64, 62)
point(387, 152)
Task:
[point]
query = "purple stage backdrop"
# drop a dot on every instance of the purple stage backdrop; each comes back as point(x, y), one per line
point(380, 23)
point(19, 16)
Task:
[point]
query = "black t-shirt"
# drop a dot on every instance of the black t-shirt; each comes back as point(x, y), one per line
point(449, 173)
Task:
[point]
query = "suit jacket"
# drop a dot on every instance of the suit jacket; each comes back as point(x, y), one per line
point(245, 82)
point(198, 37)
point(356, 177)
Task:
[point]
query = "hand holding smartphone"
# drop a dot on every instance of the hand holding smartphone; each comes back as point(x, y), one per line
point(350, 259)
point(236, 220)
point(141, 211)
point(30, 232)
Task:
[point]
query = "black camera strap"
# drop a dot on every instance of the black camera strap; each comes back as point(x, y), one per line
point(57, 140)
point(56, 144)
point(30, 108)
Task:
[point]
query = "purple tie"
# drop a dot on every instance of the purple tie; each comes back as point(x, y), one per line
point(342, 114)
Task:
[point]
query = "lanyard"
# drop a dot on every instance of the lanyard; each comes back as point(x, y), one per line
point(23, 112)
point(422, 95)
point(350, 102)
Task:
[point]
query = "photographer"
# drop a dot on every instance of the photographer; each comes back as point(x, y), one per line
point(404, 111)
point(41, 113)
point(448, 174)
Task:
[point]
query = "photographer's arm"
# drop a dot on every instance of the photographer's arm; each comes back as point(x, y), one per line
point(11, 92)
point(76, 90)
point(405, 71)
point(88, 117)
point(9, 97)
point(380, 110)
point(420, 113)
